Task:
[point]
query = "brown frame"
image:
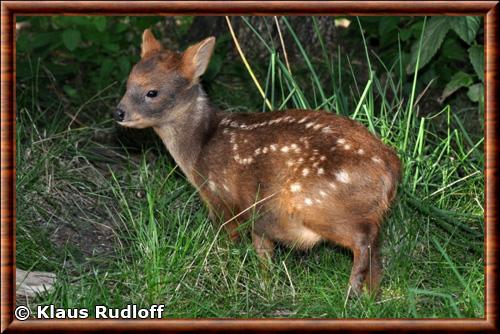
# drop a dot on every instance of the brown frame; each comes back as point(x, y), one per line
point(9, 10)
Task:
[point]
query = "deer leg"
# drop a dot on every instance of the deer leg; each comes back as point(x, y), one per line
point(264, 227)
point(366, 268)
point(232, 230)
point(374, 275)
point(263, 246)
point(265, 249)
point(359, 268)
point(231, 227)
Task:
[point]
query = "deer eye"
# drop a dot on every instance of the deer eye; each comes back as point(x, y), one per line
point(152, 93)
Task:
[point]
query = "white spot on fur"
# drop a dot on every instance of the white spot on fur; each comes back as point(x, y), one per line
point(234, 124)
point(322, 158)
point(257, 151)
point(302, 120)
point(318, 201)
point(225, 187)
point(273, 147)
point(316, 164)
point(235, 147)
point(341, 141)
point(308, 125)
point(212, 186)
point(301, 160)
point(293, 146)
point(245, 161)
point(347, 147)
point(275, 121)
point(290, 163)
point(225, 131)
point(295, 187)
point(321, 171)
point(376, 159)
point(322, 193)
point(342, 176)
point(332, 185)
point(317, 126)
point(305, 172)
point(264, 150)
point(327, 129)
point(285, 149)
point(361, 151)
point(308, 201)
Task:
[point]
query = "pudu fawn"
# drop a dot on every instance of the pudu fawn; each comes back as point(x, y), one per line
point(310, 176)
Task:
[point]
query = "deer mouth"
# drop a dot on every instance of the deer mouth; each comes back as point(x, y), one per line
point(131, 123)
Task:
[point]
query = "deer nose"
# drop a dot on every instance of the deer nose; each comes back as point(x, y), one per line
point(119, 114)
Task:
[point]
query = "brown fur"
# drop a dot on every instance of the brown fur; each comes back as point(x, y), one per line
point(323, 177)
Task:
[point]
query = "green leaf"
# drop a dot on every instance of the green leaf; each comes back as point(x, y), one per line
point(416, 28)
point(100, 23)
point(476, 92)
point(453, 49)
point(71, 38)
point(465, 26)
point(70, 91)
point(476, 56)
point(404, 34)
point(433, 38)
point(112, 47)
point(459, 80)
point(106, 68)
point(121, 27)
point(124, 64)
point(388, 24)
point(44, 40)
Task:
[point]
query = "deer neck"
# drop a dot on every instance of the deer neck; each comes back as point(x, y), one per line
point(186, 136)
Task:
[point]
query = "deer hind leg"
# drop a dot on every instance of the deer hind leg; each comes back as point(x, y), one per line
point(265, 228)
point(361, 238)
point(263, 246)
point(374, 275)
point(366, 268)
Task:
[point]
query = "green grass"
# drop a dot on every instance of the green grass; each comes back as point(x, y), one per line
point(119, 227)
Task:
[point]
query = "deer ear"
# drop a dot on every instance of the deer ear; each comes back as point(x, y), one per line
point(149, 43)
point(196, 58)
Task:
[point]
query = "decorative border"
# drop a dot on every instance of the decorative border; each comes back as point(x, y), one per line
point(9, 10)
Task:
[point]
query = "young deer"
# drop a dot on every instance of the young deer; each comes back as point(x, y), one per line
point(310, 176)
